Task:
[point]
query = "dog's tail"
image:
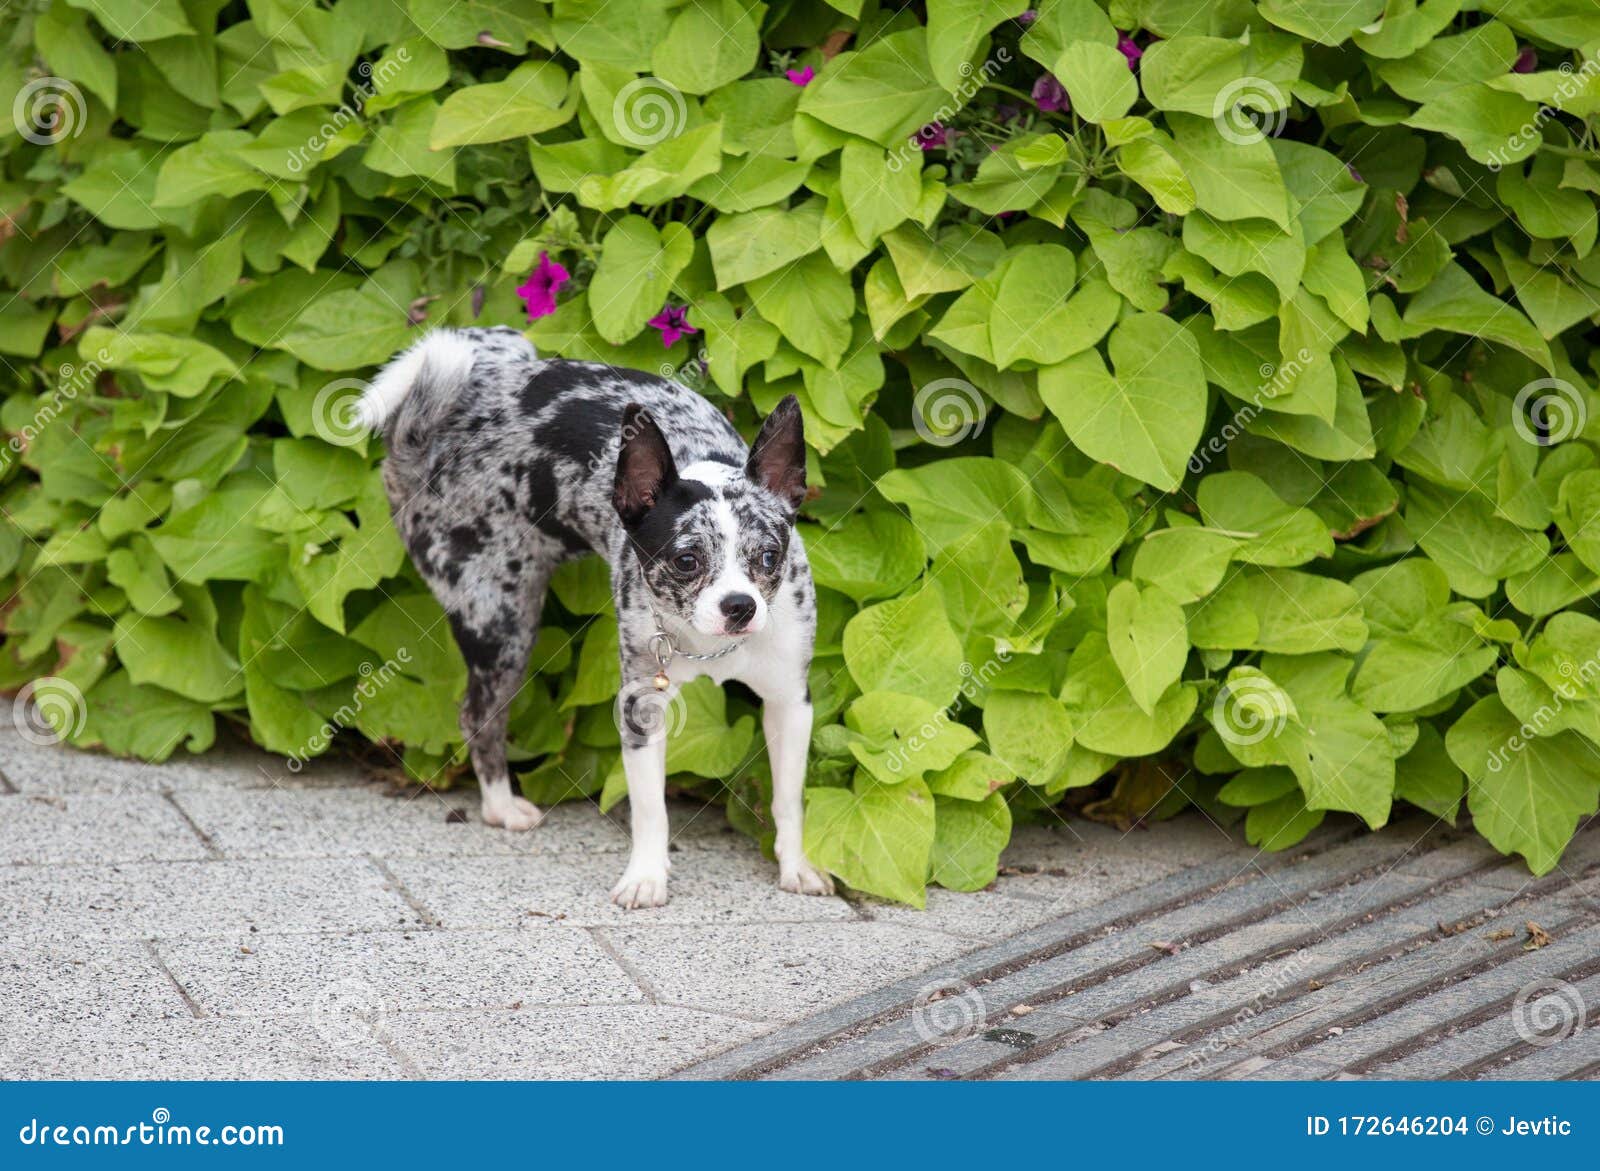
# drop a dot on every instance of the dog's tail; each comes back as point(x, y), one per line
point(423, 379)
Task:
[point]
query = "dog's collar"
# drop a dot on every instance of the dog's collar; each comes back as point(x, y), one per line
point(665, 650)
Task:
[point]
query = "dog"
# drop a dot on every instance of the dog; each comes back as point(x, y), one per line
point(501, 465)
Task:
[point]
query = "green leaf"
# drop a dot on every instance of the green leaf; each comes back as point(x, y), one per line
point(868, 555)
point(1527, 794)
point(635, 276)
point(1146, 418)
point(531, 100)
point(884, 92)
point(905, 645)
point(967, 840)
point(1097, 79)
point(1029, 734)
point(1149, 641)
point(1328, 22)
point(879, 840)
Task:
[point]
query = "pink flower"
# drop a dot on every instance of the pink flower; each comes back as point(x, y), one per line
point(1049, 94)
point(1027, 16)
point(539, 292)
point(932, 135)
point(1527, 60)
point(1129, 48)
point(673, 322)
point(800, 76)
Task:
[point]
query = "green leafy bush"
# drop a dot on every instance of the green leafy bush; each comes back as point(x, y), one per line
point(1199, 391)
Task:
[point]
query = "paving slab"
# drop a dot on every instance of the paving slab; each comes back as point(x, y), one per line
point(220, 916)
point(709, 886)
point(631, 1042)
point(148, 900)
point(424, 970)
point(187, 1049)
point(775, 971)
point(96, 827)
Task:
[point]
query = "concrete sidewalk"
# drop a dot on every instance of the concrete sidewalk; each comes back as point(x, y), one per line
point(215, 917)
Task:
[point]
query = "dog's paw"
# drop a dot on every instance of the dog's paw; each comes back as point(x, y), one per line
point(644, 886)
point(514, 813)
point(804, 879)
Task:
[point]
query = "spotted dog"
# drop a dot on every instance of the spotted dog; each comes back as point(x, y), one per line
point(501, 465)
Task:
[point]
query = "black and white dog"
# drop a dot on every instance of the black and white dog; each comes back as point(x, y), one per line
point(502, 465)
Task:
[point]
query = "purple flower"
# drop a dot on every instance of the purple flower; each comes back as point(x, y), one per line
point(932, 135)
point(1027, 16)
point(1129, 48)
point(1049, 94)
point(1527, 60)
point(539, 292)
point(1354, 174)
point(673, 322)
point(1007, 112)
point(800, 76)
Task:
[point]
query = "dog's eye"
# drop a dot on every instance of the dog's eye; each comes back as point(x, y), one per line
point(769, 559)
point(686, 563)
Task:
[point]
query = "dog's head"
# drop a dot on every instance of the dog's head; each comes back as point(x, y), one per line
point(713, 541)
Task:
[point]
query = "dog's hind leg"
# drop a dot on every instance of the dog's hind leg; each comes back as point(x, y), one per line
point(496, 623)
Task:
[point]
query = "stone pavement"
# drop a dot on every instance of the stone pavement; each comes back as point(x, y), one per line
point(217, 917)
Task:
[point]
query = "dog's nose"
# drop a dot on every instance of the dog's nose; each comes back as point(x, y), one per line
point(738, 609)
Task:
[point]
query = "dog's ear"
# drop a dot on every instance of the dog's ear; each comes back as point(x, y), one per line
point(644, 466)
point(778, 456)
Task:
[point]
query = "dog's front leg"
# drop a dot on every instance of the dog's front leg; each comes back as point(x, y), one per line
point(644, 759)
point(788, 727)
